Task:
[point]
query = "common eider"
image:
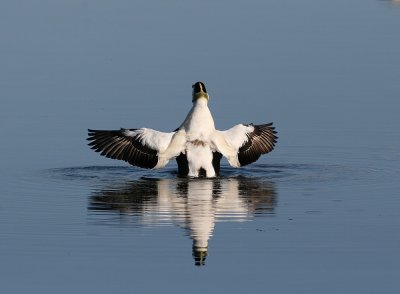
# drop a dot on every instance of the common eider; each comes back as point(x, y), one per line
point(196, 145)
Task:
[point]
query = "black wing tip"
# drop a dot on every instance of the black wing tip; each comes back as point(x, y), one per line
point(111, 144)
point(261, 141)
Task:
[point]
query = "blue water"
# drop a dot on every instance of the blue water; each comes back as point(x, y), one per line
point(320, 214)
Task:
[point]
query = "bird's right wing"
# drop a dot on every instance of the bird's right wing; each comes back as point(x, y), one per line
point(244, 144)
point(140, 147)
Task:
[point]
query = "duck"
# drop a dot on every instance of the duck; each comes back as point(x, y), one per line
point(196, 145)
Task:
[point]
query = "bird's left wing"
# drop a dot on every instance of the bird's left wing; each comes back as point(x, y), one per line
point(140, 147)
point(244, 144)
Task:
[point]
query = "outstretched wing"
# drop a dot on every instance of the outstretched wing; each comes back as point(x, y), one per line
point(246, 143)
point(139, 147)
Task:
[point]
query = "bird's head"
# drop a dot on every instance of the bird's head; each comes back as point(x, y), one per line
point(199, 91)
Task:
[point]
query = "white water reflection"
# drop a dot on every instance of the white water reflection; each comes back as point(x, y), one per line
point(195, 205)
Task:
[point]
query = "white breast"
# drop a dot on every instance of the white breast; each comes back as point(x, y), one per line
point(199, 126)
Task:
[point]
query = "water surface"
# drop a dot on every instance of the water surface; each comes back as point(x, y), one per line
point(320, 214)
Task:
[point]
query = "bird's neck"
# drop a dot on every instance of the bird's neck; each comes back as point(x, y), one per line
point(200, 109)
point(200, 102)
point(199, 119)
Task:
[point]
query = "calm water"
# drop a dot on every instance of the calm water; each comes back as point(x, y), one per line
point(320, 214)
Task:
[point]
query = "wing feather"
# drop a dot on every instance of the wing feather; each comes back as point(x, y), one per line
point(139, 147)
point(260, 141)
point(249, 142)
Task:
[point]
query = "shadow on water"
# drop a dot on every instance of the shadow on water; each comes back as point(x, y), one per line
point(193, 204)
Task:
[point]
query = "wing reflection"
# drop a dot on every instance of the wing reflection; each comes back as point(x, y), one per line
point(194, 204)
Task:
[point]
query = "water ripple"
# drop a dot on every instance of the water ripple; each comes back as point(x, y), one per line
point(129, 197)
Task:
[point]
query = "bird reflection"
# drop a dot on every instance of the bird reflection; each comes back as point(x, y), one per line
point(194, 204)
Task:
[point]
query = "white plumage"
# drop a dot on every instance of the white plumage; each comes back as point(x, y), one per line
point(196, 144)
